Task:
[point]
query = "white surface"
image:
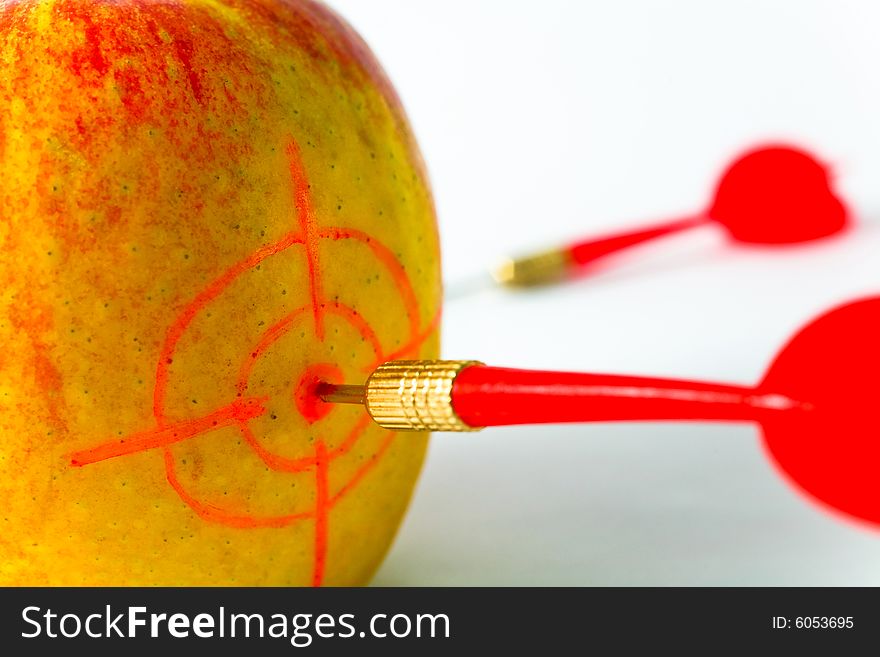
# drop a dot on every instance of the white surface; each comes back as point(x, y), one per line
point(550, 120)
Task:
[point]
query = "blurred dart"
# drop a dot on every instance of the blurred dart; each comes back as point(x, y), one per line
point(816, 406)
point(771, 195)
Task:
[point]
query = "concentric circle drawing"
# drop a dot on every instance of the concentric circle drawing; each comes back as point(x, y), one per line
point(247, 405)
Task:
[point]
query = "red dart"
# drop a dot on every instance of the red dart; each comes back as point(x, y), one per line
point(816, 406)
point(770, 195)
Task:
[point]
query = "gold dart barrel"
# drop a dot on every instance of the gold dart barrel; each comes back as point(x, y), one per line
point(406, 395)
point(538, 269)
point(416, 395)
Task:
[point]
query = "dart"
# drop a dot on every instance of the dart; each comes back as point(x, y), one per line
point(771, 195)
point(816, 405)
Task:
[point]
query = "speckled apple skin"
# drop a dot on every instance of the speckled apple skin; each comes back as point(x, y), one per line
point(201, 201)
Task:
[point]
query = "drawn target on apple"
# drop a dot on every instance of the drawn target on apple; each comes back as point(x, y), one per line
point(265, 418)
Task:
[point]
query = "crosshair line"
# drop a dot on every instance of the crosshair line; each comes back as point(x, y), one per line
point(238, 412)
point(302, 201)
point(322, 511)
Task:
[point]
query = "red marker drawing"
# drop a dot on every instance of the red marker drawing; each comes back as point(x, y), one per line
point(246, 406)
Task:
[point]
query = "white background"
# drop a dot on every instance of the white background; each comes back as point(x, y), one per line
point(549, 120)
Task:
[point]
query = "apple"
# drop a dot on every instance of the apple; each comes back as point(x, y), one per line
point(207, 207)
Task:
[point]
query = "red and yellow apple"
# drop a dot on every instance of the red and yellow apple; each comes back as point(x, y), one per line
point(206, 206)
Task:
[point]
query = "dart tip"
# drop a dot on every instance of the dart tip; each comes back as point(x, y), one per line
point(340, 394)
point(469, 286)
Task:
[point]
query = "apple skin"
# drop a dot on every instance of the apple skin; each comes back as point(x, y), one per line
point(204, 203)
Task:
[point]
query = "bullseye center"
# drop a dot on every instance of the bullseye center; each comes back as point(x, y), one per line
point(305, 394)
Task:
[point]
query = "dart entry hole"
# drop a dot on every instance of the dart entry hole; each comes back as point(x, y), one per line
point(305, 394)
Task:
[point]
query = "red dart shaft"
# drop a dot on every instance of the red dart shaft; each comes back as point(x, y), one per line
point(464, 395)
point(493, 396)
point(583, 253)
point(561, 263)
